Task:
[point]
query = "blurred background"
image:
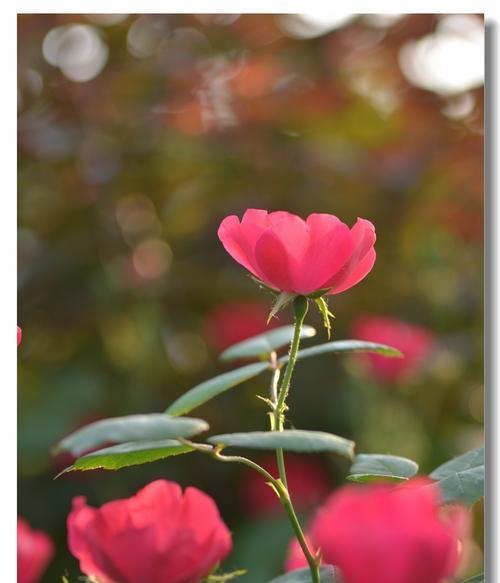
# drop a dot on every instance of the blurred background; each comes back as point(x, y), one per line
point(137, 135)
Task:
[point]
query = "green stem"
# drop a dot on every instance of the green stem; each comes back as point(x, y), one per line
point(300, 306)
point(215, 451)
point(278, 398)
point(312, 560)
point(282, 492)
point(279, 488)
point(274, 418)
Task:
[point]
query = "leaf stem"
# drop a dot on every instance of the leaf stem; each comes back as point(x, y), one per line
point(281, 491)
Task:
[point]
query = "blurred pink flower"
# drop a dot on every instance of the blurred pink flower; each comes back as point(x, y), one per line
point(307, 478)
point(386, 534)
point(413, 341)
point(161, 534)
point(34, 552)
point(302, 257)
point(19, 335)
point(236, 321)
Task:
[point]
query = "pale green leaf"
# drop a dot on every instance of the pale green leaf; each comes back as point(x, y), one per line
point(154, 426)
point(346, 346)
point(288, 440)
point(209, 389)
point(462, 478)
point(381, 467)
point(263, 344)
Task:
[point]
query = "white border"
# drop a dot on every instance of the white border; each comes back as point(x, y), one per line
point(255, 6)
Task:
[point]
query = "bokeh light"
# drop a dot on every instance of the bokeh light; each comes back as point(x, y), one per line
point(451, 59)
point(78, 50)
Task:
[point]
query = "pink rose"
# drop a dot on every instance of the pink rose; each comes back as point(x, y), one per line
point(34, 552)
point(413, 341)
point(161, 534)
point(385, 534)
point(19, 335)
point(301, 257)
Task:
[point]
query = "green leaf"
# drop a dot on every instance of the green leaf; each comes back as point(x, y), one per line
point(288, 440)
point(264, 344)
point(476, 579)
point(328, 574)
point(132, 453)
point(213, 387)
point(462, 478)
point(130, 428)
point(346, 346)
point(377, 467)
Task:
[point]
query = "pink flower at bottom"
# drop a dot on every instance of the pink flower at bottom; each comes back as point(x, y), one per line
point(415, 342)
point(19, 335)
point(385, 534)
point(34, 552)
point(300, 256)
point(160, 535)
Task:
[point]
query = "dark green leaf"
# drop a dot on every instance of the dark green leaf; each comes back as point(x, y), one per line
point(462, 478)
point(476, 579)
point(346, 346)
point(154, 426)
point(328, 574)
point(213, 387)
point(264, 344)
point(376, 467)
point(132, 453)
point(288, 440)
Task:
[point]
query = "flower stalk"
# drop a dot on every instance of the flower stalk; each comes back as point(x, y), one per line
point(300, 307)
point(278, 395)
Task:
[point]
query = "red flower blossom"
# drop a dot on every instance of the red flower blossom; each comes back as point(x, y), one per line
point(19, 335)
point(385, 534)
point(413, 341)
point(307, 479)
point(161, 534)
point(302, 257)
point(34, 552)
point(231, 323)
